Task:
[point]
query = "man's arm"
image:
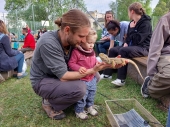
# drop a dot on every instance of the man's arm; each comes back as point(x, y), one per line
point(26, 42)
point(159, 36)
point(55, 61)
point(75, 75)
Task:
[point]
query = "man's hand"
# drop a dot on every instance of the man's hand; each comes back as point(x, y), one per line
point(101, 66)
point(82, 70)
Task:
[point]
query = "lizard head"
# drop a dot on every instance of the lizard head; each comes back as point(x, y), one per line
point(104, 57)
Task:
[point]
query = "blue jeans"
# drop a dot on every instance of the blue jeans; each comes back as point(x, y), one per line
point(20, 60)
point(88, 99)
point(168, 120)
point(103, 47)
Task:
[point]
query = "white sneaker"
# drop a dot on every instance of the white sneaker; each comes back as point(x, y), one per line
point(92, 111)
point(118, 82)
point(82, 115)
point(102, 76)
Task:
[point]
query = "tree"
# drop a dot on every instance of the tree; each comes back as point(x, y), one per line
point(112, 6)
point(40, 13)
point(161, 8)
point(20, 4)
point(43, 9)
point(122, 8)
point(146, 6)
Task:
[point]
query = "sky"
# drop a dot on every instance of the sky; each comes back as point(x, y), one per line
point(103, 6)
point(99, 5)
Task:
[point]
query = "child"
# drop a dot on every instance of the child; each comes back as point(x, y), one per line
point(82, 58)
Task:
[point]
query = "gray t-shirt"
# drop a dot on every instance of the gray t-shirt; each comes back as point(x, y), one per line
point(123, 30)
point(49, 59)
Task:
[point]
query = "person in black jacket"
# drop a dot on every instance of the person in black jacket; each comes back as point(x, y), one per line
point(136, 43)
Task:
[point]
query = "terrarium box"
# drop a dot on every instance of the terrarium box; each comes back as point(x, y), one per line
point(129, 113)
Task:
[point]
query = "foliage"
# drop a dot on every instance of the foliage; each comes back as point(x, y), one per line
point(161, 8)
point(99, 32)
point(122, 8)
point(112, 6)
point(146, 6)
point(42, 9)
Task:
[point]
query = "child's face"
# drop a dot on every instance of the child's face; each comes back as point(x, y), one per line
point(88, 45)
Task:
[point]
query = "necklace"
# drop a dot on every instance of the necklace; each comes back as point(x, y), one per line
point(66, 49)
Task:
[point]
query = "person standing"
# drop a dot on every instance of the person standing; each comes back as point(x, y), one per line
point(83, 58)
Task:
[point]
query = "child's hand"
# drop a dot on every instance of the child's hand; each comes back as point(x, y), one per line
point(82, 70)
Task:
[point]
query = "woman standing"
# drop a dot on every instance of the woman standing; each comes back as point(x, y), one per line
point(9, 59)
point(136, 43)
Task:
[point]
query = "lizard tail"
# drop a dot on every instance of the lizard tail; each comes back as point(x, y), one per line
point(137, 68)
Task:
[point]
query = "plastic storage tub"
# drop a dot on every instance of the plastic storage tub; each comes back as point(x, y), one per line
point(120, 107)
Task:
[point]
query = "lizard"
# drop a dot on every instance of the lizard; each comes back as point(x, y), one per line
point(121, 61)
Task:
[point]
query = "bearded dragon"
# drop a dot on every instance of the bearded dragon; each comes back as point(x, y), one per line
point(115, 61)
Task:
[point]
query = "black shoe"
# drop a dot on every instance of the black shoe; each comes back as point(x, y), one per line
point(52, 113)
point(144, 87)
point(59, 116)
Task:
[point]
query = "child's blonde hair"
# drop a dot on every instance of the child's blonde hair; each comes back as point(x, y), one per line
point(92, 34)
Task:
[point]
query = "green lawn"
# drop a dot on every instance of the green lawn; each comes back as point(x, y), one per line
point(21, 107)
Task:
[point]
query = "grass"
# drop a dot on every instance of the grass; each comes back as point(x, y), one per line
point(99, 34)
point(21, 107)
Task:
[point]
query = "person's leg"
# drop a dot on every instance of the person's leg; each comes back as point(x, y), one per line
point(79, 107)
point(106, 46)
point(91, 86)
point(113, 52)
point(129, 52)
point(20, 60)
point(60, 94)
point(23, 50)
point(159, 85)
point(103, 47)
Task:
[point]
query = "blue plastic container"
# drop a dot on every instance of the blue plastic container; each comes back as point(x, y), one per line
point(16, 45)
